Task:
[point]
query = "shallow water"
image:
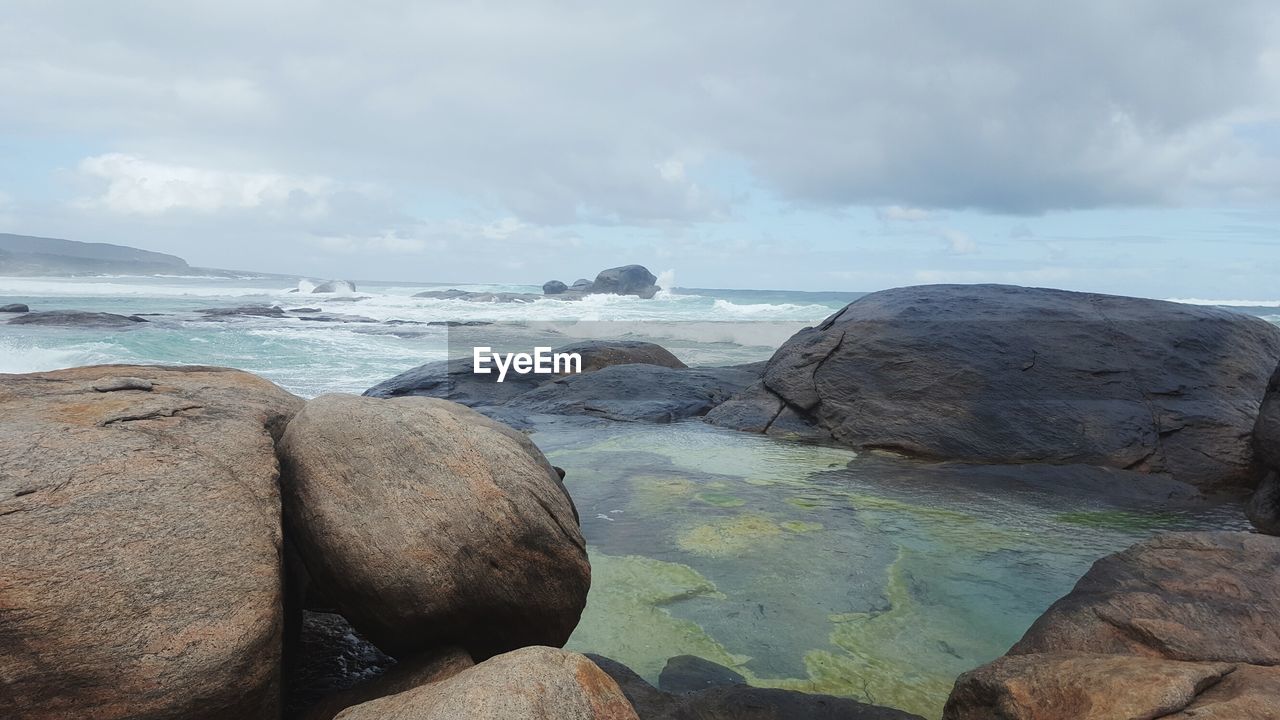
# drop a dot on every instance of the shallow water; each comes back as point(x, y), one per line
point(800, 569)
point(801, 566)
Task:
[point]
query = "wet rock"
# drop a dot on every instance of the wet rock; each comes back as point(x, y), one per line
point(77, 318)
point(738, 702)
point(1003, 374)
point(455, 380)
point(581, 285)
point(1263, 508)
point(484, 297)
point(244, 311)
point(114, 384)
point(335, 318)
point(533, 683)
point(335, 286)
point(553, 287)
point(328, 658)
point(14, 308)
point(636, 392)
point(626, 280)
point(140, 574)
point(487, 553)
point(690, 673)
point(599, 354)
point(304, 310)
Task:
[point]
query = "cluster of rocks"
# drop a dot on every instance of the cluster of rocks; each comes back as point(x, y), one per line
point(169, 533)
point(625, 280)
point(625, 380)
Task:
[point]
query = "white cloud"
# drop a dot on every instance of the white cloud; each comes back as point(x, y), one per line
point(132, 185)
point(957, 242)
point(898, 213)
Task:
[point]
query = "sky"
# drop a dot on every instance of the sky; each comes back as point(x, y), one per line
point(1126, 147)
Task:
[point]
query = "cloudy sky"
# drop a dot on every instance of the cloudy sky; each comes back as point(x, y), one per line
point(1128, 147)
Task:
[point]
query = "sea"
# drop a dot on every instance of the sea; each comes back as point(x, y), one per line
point(798, 565)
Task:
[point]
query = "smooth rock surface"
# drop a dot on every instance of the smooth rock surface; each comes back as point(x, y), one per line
point(77, 318)
point(1180, 626)
point(600, 354)
point(739, 702)
point(1080, 687)
point(1207, 596)
point(429, 524)
point(532, 683)
point(635, 393)
point(1004, 374)
point(14, 308)
point(553, 287)
point(626, 280)
point(140, 573)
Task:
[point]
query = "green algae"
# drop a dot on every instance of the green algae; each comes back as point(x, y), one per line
point(626, 618)
point(800, 526)
point(728, 536)
point(720, 499)
point(1122, 520)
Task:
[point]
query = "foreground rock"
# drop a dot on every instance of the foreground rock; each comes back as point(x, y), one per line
point(1182, 625)
point(1002, 374)
point(14, 308)
point(724, 698)
point(77, 318)
point(429, 524)
point(1264, 507)
point(533, 683)
point(140, 571)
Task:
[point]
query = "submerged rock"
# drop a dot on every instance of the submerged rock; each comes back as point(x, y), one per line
point(1003, 374)
point(690, 673)
point(487, 553)
point(77, 318)
point(532, 683)
point(1179, 626)
point(140, 571)
point(736, 701)
point(14, 308)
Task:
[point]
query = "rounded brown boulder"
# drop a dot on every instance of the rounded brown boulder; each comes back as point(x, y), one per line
point(533, 683)
point(429, 524)
point(140, 544)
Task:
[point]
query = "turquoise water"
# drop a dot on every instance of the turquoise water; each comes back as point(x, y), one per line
point(802, 566)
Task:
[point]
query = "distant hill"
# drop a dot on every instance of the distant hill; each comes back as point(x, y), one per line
point(27, 255)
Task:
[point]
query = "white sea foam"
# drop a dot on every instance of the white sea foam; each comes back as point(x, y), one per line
point(21, 355)
point(1227, 303)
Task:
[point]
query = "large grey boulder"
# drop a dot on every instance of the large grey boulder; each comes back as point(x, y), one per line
point(14, 308)
point(140, 544)
point(626, 280)
point(533, 683)
point(553, 287)
point(429, 524)
point(1003, 374)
